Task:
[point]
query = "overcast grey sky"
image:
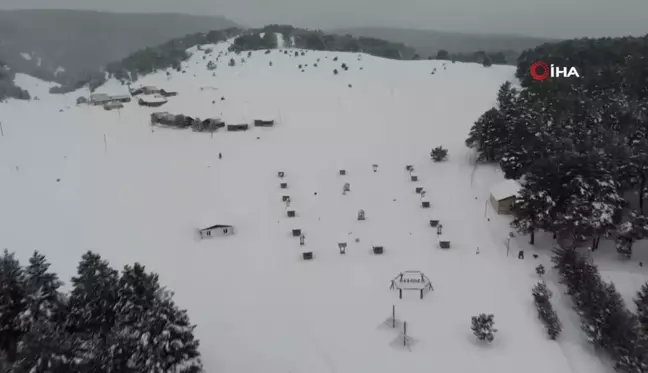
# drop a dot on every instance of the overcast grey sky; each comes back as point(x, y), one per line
point(546, 18)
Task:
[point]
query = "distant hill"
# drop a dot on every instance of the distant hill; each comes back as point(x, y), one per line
point(429, 42)
point(172, 53)
point(63, 45)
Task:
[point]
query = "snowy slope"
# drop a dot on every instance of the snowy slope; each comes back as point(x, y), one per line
point(133, 193)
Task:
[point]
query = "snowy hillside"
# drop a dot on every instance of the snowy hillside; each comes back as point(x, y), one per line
point(133, 192)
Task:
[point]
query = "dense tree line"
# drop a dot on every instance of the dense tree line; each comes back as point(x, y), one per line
point(486, 58)
point(265, 38)
point(7, 87)
point(605, 319)
point(579, 146)
point(109, 322)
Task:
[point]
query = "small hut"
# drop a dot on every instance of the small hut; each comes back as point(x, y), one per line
point(216, 231)
point(113, 105)
point(263, 123)
point(238, 127)
point(121, 98)
point(503, 196)
point(99, 98)
point(152, 101)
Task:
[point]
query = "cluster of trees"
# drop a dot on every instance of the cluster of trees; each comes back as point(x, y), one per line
point(254, 40)
point(265, 38)
point(7, 87)
point(485, 58)
point(606, 321)
point(108, 322)
point(167, 55)
point(578, 145)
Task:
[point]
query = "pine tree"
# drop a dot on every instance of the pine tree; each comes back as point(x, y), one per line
point(594, 198)
point(533, 206)
point(546, 313)
point(178, 345)
point(642, 307)
point(47, 348)
point(488, 136)
point(136, 292)
point(93, 296)
point(540, 270)
point(439, 153)
point(153, 334)
point(482, 327)
point(45, 300)
point(528, 140)
point(13, 304)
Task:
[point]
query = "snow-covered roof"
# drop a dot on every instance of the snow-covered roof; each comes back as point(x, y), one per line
point(216, 226)
point(505, 189)
point(99, 96)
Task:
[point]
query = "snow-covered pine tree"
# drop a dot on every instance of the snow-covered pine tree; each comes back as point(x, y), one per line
point(93, 297)
point(533, 206)
point(13, 304)
point(506, 96)
point(136, 294)
point(482, 327)
point(594, 200)
point(621, 334)
point(540, 270)
point(540, 292)
point(156, 336)
point(487, 136)
point(546, 313)
point(528, 138)
point(642, 307)
point(439, 154)
point(176, 337)
point(47, 348)
point(565, 261)
point(45, 301)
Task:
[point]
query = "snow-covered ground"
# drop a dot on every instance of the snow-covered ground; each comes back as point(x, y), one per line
point(136, 193)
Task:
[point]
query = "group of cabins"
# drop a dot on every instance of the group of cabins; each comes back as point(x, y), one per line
point(111, 102)
point(206, 125)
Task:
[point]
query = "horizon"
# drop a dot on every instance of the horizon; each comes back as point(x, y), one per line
point(521, 20)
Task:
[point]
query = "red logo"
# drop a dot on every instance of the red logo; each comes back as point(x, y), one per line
point(539, 70)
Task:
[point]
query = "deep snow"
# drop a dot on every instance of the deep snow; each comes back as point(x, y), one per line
point(136, 193)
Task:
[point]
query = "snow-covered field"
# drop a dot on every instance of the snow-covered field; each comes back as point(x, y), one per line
point(133, 193)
